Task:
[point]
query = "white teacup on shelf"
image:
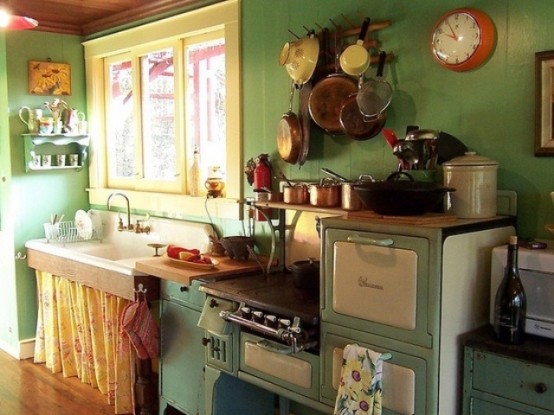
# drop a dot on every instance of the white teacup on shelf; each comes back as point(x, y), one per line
point(60, 159)
point(46, 160)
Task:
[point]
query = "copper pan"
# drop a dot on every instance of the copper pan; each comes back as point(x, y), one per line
point(289, 133)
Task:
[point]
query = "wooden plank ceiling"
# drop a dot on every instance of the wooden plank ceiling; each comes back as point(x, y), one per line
point(85, 17)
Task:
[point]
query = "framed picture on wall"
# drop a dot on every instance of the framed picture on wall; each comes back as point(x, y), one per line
point(49, 78)
point(544, 103)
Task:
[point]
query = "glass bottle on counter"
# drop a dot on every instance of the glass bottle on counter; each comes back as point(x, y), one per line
point(195, 173)
point(510, 302)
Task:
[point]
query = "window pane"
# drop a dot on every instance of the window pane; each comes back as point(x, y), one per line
point(206, 102)
point(158, 115)
point(121, 140)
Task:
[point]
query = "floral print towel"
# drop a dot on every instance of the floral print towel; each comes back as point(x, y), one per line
point(360, 384)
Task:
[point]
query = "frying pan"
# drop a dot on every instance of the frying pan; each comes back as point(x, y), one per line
point(354, 60)
point(353, 121)
point(375, 95)
point(289, 133)
point(305, 122)
point(327, 96)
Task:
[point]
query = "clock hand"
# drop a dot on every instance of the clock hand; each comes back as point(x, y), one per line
point(453, 35)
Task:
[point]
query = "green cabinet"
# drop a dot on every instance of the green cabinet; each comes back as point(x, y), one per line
point(508, 380)
point(182, 349)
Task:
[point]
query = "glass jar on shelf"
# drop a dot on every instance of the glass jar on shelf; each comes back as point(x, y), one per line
point(214, 183)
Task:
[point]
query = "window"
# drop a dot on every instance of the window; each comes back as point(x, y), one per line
point(154, 94)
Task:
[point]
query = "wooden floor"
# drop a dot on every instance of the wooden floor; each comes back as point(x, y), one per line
point(30, 389)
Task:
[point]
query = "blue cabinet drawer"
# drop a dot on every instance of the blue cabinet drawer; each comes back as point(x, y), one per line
point(521, 381)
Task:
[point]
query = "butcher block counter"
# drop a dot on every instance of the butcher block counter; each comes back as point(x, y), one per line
point(164, 268)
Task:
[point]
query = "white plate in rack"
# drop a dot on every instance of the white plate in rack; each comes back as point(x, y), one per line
point(83, 224)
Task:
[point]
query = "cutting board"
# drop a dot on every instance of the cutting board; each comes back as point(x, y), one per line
point(162, 267)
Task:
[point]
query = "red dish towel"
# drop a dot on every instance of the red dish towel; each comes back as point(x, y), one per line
point(142, 330)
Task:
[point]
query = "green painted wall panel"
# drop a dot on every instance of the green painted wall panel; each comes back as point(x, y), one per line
point(491, 109)
point(31, 197)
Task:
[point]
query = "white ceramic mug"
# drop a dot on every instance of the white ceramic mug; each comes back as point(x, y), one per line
point(73, 160)
point(60, 159)
point(46, 160)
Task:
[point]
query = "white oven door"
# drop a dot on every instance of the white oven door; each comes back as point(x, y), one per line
point(375, 283)
point(403, 381)
point(268, 361)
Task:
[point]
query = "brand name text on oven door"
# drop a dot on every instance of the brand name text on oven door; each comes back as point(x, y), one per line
point(363, 282)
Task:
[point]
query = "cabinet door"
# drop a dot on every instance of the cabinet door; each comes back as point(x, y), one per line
point(182, 358)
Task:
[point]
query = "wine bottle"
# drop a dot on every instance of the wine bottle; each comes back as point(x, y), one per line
point(510, 302)
point(195, 173)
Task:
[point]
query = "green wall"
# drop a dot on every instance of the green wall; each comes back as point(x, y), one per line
point(28, 198)
point(491, 109)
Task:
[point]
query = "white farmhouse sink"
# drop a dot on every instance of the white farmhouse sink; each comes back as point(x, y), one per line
point(119, 251)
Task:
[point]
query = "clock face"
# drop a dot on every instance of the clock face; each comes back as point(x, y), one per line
point(456, 38)
point(463, 39)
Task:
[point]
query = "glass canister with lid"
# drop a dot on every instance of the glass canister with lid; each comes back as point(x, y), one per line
point(474, 177)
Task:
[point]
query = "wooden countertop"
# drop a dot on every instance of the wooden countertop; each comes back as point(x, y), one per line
point(163, 268)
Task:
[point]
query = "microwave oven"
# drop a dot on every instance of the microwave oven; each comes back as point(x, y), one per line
point(536, 270)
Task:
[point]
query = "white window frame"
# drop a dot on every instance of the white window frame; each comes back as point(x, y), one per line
point(222, 16)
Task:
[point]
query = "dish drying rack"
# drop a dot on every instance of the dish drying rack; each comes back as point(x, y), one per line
point(67, 232)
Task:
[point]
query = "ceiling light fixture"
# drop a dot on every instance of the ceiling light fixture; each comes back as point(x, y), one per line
point(10, 21)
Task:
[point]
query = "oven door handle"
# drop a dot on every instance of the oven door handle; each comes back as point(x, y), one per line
point(271, 347)
point(369, 241)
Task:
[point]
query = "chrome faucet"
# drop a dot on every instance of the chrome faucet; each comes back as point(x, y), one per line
point(129, 224)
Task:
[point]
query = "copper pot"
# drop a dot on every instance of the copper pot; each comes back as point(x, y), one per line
point(296, 195)
point(326, 194)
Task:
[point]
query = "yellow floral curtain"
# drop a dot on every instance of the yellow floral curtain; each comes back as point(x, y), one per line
point(78, 334)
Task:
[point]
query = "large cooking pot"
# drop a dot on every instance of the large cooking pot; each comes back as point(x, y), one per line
point(305, 274)
point(401, 197)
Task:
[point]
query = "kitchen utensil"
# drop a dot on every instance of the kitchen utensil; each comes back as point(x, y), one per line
point(449, 147)
point(300, 58)
point(349, 198)
point(328, 95)
point(424, 143)
point(353, 121)
point(390, 137)
point(401, 197)
point(236, 246)
point(305, 122)
point(325, 194)
point(289, 133)
point(305, 274)
point(296, 194)
point(375, 94)
point(354, 60)
point(406, 153)
point(474, 178)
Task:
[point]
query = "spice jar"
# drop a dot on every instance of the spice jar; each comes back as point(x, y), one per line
point(474, 177)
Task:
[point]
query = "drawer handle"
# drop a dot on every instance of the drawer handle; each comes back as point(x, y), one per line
point(213, 303)
point(368, 241)
point(541, 387)
point(184, 288)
